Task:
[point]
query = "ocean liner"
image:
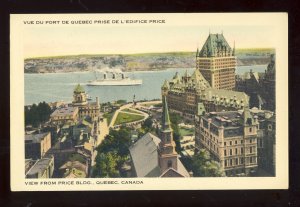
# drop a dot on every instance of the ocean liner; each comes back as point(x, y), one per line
point(113, 77)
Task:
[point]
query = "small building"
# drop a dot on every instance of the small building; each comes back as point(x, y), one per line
point(65, 115)
point(43, 168)
point(231, 139)
point(36, 145)
point(86, 108)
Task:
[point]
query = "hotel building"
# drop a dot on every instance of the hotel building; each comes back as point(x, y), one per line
point(217, 62)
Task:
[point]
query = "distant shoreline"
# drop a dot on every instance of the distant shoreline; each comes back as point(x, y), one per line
point(133, 62)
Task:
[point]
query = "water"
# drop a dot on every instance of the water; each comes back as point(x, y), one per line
point(59, 86)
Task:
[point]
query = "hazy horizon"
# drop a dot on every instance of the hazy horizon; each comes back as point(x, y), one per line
point(65, 41)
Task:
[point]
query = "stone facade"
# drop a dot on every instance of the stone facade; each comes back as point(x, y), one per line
point(184, 94)
point(86, 108)
point(231, 139)
point(260, 88)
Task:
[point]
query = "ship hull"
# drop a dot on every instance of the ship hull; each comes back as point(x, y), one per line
point(115, 83)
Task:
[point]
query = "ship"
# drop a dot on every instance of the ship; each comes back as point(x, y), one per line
point(113, 77)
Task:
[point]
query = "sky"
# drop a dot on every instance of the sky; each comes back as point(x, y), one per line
point(99, 39)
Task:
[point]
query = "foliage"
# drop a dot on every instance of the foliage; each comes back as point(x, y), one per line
point(112, 153)
point(121, 102)
point(147, 125)
point(37, 114)
point(203, 166)
point(106, 165)
point(175, 120)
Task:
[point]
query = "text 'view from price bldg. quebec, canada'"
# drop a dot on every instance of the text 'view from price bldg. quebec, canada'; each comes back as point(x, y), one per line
point(149, 102)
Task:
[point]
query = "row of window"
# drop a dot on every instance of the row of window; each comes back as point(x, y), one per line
point(239, 161)
point(235, 151)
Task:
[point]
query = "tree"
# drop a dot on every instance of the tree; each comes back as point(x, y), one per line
point(147, 125)
point(112, 153)
point(175, 120)
point(37, 114)
point(106, 165)
point(203, 166)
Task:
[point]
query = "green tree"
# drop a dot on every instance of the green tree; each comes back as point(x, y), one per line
point(203, 166)
point(112, 153)
point(106, 165)
point(175, 120)
point(147, 125)
point(37, 114)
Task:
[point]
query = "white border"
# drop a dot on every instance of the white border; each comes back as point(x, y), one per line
point(277, 20)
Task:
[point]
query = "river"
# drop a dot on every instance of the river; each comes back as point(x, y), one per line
point(52, 87)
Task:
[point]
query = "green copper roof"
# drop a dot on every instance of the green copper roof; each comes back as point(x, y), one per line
point(198, 78)
point(166, 123)
point(165, 85)
point(79, 89)
point(215, 46)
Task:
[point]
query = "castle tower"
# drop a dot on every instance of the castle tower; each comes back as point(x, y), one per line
point(167, 154)
point(217, 62)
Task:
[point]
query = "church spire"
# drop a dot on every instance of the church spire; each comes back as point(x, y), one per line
point(166, 124)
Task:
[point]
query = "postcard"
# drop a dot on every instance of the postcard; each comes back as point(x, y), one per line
point(185, 101)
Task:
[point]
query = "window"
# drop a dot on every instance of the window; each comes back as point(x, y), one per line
point(242, 150)
point(242, 160)
point(236, 161)
point(250, 141)
point(230, 161)
point(230, 152)
point(242, 141)
point(224, 143)
point(225, 163)
point(250, 129)
point(250, 149)
point(236, 151)
point(225, 153)
point(230, 143)
point(235, 142)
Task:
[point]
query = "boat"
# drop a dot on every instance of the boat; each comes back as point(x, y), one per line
point(114, 77)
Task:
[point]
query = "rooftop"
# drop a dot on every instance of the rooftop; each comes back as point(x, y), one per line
point(65, 111)
point(216, 46)
point(79, 89)
point(40, 166)
point(36, 138)
point(145, 157)
point(226, 97)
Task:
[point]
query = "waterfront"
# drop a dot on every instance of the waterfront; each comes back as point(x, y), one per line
point(52, 87)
